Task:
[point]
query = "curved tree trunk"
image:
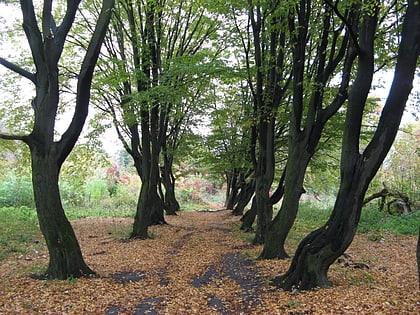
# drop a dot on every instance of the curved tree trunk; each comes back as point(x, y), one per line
point(249, 217)
point(66, 258)
point(322, 247)
point(279, 228)
point(245, 195)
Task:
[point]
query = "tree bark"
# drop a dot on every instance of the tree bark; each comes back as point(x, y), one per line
point(232, 189)
point(248, 218)
point(171, 204)
point(65, 256)
point(322, 247)
point(245, 195)
point(274, 246)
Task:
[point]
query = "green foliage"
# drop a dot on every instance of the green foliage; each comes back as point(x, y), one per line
point(96, 190)
point(16, 190)
point(401, 169)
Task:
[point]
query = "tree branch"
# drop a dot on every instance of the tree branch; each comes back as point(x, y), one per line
point(84, 83)
point(348, 26)
point(11, 66)
point(13, 137)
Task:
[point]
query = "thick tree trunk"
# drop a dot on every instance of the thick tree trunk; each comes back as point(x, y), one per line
point(264, 177)
point(279, 228)
point(149, 206)
point(65, 258)
point(143, 215)
point(171, 204)
point(264, 209)
point(322, 247)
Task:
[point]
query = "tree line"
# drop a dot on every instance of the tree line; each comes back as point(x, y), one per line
point(290, 78)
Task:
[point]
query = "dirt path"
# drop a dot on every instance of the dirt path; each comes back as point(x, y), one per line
point(198, 265)
point(210, 262)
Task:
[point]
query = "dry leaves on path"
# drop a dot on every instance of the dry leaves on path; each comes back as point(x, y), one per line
point(198, 264)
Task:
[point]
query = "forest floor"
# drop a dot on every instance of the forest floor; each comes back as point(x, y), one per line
point(200, 263)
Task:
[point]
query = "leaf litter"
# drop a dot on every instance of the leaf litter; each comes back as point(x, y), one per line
point(200, 263)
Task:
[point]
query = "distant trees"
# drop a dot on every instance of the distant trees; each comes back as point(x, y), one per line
point(46, 40)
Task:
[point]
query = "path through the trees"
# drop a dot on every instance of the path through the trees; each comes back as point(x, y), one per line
point(201, 264)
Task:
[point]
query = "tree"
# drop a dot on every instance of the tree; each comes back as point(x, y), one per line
point(46, 40)
point(157, 66)
point(268, 79)
point(321, 49)
point(319, 249)
point(228, 143)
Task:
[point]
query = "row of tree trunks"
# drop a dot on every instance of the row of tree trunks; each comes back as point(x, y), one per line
point(244, 197)
point(305, 132)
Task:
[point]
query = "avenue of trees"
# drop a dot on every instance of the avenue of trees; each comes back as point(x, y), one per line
point(283, 88)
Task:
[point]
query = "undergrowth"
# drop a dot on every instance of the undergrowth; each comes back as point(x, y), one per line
point(19, 228)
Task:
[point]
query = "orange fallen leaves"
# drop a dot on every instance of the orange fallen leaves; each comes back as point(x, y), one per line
point(196, 265)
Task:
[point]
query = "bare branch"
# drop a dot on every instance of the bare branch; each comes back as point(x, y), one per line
point(11, 66)
point(13, 137)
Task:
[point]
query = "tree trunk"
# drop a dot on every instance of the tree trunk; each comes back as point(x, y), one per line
point(247, 190)
point(322, 247)
point(232, 189)
point(279, 228)
point(143, 215)
point(171, 204)
point(248, 218)
point(66, 258)
point(149, 206)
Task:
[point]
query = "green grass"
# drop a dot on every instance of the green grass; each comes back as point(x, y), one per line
point(373, 220)
point(18, 230)
point(99, 212)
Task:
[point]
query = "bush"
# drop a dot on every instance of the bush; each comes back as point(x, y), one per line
point(16, 191)
point(95, 191)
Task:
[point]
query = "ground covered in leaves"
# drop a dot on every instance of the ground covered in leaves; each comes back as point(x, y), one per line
point(201, 264)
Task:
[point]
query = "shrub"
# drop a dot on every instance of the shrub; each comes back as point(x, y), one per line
point(16, 191)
